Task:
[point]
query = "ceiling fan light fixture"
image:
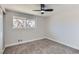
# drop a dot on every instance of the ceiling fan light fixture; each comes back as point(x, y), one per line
point(42, 11)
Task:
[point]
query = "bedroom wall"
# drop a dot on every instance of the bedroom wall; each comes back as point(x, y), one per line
point(13, 35)
point(63, 25)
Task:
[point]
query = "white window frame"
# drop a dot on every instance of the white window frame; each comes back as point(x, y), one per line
point(23, 23)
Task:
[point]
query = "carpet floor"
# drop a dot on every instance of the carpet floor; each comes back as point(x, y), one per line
point(43, 46)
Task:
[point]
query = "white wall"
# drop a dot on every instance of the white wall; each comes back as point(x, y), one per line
point(13, 35)
point(63, 25)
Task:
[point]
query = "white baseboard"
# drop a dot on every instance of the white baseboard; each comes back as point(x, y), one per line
point(24, 42)
point(63, 43)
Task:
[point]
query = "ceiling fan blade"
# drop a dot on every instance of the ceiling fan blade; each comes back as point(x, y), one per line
point(36, 10)
point(48, 9)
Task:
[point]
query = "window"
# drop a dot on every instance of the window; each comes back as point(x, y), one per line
point(30, 23)
point(20, 23)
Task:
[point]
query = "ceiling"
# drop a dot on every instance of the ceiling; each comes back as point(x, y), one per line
point(27, 8)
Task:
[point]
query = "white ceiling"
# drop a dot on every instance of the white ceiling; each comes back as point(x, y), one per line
point(27, 8)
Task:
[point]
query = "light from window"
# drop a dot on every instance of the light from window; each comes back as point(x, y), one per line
point(30, 23)
point(21, 23)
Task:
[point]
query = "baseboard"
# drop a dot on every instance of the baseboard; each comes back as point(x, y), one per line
point(24, 42)
point(63, 43)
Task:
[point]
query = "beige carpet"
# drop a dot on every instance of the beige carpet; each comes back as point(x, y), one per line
point(43, 46)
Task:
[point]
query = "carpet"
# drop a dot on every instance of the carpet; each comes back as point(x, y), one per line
point(43, 46)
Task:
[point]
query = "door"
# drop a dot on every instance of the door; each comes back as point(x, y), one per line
point(1, 31)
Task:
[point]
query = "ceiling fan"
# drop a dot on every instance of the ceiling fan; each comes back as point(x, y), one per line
point(43, 9)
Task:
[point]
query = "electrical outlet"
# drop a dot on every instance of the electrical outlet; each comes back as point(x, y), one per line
point(19, 40)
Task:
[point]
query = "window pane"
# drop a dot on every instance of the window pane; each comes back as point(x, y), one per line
point(30, 23)
point(19, 22)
